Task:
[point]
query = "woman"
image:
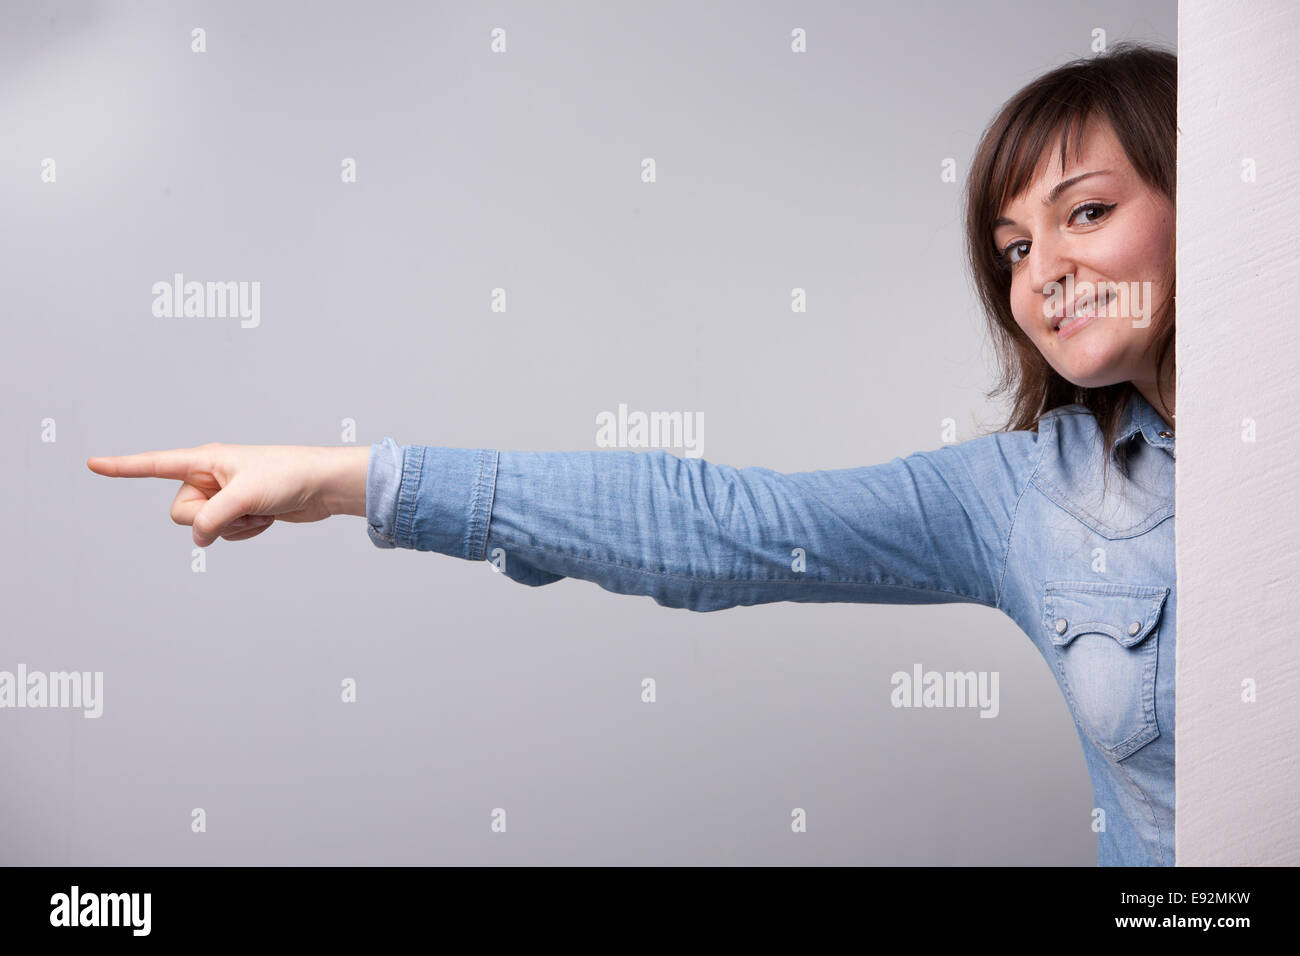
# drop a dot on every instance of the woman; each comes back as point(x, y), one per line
point(1070, 198)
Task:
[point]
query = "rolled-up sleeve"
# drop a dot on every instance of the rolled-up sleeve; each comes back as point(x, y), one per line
point(430, 499)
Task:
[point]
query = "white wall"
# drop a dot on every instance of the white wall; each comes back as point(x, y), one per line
point(1238, 520)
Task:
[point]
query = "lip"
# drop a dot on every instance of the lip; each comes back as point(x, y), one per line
point(1075, 322)
point(1074, 325)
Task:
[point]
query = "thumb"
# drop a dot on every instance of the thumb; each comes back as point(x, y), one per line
point(222, 508)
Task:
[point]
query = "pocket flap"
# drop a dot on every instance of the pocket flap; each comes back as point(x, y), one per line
point(1125, 612)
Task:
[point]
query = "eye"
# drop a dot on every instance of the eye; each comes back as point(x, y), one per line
point(1008, 255)
point(1102, 208)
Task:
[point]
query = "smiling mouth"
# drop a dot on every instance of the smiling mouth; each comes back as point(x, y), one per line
point(1084, 313)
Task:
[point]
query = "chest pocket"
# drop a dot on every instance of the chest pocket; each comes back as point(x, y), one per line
point(1104, 638)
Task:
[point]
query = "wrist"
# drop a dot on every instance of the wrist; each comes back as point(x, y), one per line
point(342, 479)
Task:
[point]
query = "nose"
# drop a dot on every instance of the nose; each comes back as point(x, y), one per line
point(1049, 262)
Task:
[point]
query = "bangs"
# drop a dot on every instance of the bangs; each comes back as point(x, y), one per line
point(1026, 138)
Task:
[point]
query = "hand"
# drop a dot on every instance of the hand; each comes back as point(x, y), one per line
point(236, 491)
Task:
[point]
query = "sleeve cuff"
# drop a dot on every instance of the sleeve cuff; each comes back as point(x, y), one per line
point(430, 499)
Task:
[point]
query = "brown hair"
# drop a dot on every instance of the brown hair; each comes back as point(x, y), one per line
point(1135, 88)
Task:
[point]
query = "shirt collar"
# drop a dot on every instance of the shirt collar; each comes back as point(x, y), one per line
point(1140, 416)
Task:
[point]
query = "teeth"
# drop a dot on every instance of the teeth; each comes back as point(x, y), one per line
point(1084, 313)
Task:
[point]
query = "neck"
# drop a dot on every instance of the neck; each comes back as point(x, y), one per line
point(1149, 391)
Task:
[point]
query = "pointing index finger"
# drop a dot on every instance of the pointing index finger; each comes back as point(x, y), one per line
point(173, 463)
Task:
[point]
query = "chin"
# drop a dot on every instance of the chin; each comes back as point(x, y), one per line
point(1092, 378)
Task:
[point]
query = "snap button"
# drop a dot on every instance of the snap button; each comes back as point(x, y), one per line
point(1061, 625)
point(1166, 434)
point(1134, 628)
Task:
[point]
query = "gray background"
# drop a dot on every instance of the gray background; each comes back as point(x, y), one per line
point(519, 170)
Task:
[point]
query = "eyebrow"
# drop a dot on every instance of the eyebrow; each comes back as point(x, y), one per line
point(1054, 194)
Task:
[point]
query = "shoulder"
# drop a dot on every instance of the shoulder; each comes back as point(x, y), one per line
point(988, 473)
point(1011, 454)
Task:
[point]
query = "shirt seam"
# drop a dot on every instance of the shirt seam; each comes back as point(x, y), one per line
point(485, 483)
point(412, 471)
point(748, 582)
point(1015, 513)
point(1155, 818)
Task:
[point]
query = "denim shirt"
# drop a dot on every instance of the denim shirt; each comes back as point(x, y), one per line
point(1013, 520)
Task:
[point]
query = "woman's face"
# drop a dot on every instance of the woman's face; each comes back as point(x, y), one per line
point(1109, 236)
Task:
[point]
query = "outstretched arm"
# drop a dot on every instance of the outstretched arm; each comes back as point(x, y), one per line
point(929, 528)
